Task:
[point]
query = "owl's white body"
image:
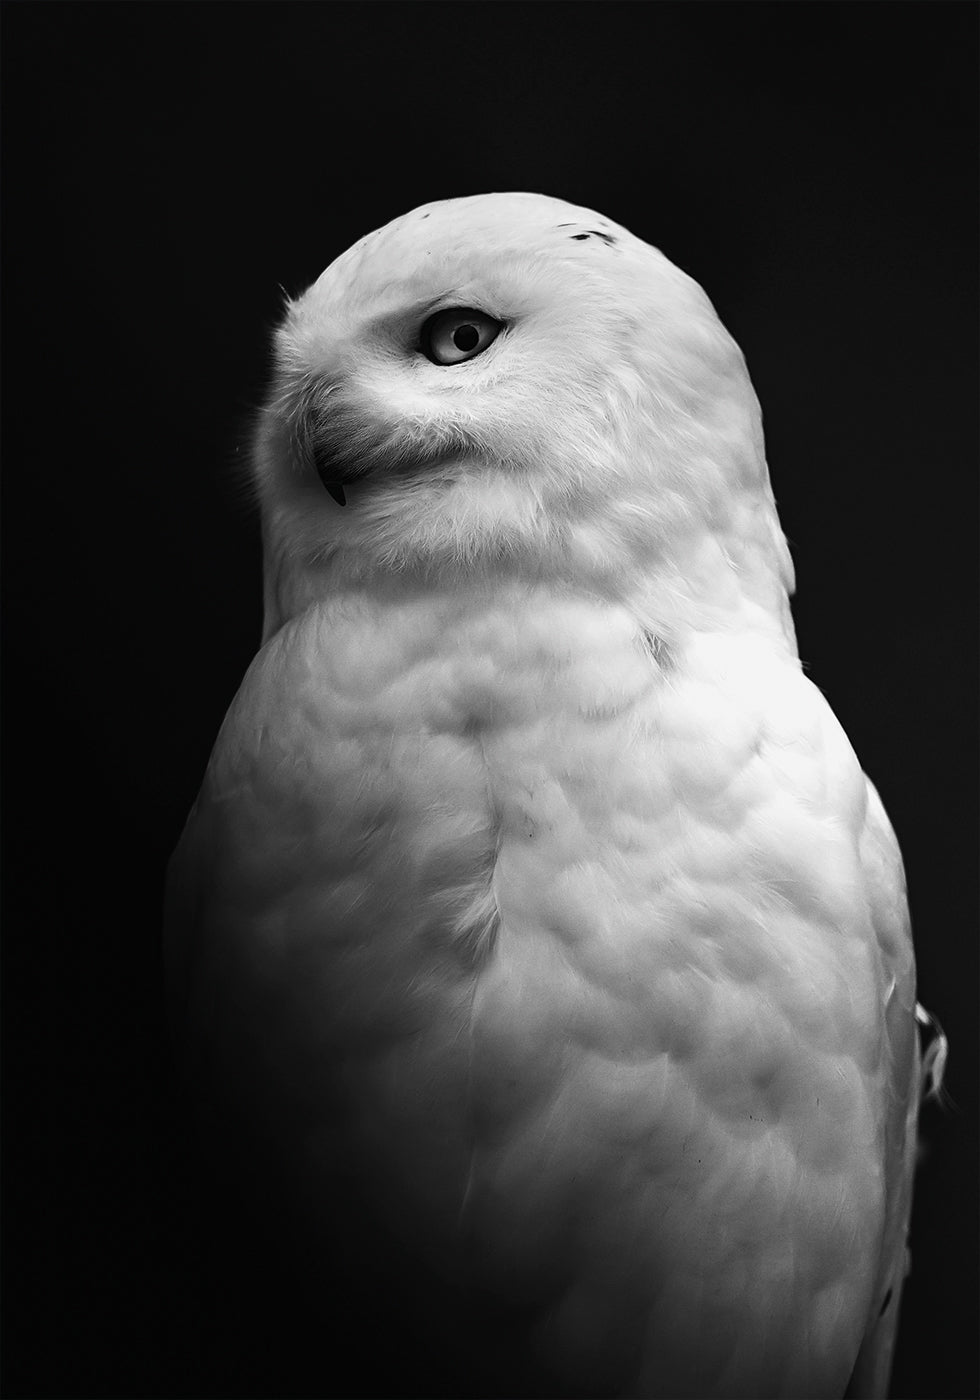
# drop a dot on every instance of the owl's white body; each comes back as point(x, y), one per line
point(533, 889)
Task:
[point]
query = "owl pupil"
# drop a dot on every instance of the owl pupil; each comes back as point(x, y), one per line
point(465, 337)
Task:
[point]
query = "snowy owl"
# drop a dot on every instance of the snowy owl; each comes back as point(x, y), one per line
point(535, 922)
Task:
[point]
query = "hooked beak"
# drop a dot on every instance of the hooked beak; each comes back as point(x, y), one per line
point(332, 488)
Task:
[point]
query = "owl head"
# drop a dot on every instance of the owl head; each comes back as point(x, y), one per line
point(508, 383)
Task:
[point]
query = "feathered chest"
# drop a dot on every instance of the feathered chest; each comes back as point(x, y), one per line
point(440, 769)
point(527, 916)
point(546, 741)
point(533, 793)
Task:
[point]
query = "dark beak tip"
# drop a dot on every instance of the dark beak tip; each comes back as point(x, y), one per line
point(336, 492)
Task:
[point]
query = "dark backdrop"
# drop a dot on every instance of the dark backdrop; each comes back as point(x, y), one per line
point(166, 168)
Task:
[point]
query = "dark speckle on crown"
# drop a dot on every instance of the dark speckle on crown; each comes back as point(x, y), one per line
point(592, 233)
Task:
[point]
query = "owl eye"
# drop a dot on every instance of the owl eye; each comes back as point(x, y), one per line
point(450, 337)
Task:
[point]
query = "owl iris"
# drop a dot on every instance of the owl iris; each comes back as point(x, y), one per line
point(453, 336)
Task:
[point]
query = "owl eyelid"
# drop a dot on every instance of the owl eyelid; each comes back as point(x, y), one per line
point(463, 313)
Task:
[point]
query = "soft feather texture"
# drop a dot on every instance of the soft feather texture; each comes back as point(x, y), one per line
point(535, 910)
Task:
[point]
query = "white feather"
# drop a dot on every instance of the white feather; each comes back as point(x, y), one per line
point(536, 888)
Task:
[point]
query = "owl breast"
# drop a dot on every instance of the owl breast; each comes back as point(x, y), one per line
point(552, 938)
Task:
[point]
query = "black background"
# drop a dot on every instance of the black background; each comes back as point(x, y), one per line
point(166, 168)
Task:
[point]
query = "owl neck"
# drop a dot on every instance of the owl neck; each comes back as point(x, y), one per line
point(733, 577)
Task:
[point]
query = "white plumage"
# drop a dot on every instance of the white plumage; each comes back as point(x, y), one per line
point(535, 911)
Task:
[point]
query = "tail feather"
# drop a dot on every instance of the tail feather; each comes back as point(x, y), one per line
point(935, 1051)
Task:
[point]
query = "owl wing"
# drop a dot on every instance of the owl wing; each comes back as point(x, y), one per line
point(902, 1085)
